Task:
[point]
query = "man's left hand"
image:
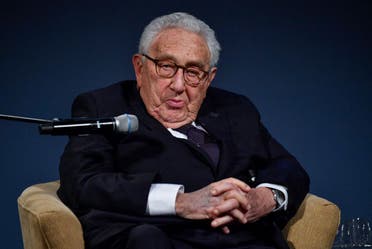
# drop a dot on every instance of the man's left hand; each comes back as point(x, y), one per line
point(260, 203)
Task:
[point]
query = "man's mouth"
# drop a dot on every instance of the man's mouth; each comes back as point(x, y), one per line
point(175, 103)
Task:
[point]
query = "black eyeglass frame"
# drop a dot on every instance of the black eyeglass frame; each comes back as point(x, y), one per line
point(201, 80)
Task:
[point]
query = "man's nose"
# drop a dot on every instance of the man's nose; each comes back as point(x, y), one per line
point(178, 81)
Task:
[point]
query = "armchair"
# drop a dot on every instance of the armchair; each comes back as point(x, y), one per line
point(47, 223)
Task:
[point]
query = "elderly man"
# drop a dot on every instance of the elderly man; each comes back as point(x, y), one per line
point(201, 171)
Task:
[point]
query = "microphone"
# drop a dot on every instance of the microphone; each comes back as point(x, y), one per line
point(122, 124)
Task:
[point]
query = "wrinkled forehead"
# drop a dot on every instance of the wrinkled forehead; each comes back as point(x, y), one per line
point(180, 45)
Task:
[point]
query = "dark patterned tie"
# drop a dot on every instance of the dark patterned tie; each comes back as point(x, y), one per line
point(202, 140)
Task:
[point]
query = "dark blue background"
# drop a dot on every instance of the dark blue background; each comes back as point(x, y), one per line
point(307, 67)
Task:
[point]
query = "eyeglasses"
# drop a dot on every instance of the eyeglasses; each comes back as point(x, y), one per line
point(192, 75)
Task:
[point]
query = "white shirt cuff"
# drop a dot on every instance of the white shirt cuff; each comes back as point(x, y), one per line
point(282, 199)
point(162, 198)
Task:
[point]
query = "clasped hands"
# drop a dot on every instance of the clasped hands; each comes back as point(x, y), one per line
point(224, 202)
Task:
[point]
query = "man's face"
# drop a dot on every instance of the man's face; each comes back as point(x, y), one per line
point(170, 100)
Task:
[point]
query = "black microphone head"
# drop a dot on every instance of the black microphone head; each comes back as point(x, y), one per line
point(126, 123)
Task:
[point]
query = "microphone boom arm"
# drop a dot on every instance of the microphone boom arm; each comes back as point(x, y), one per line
point(25, 119)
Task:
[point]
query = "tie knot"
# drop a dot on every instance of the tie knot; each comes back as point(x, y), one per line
point(201, 139)
point(193, 133)
point(184, 129)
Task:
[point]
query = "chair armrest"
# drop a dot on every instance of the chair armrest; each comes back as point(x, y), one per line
point(315, 224)
point(45, 221)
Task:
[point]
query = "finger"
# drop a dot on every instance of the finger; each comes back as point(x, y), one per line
point(252, 219)
point(222, 187)
point(235, 213)
point(221, 221)
point(242, 185)
point(211, 213)
point(225, 207)
point(225, 230)
point(238, 215)
point(239, 196)
point(253, 215)
point(236, 182)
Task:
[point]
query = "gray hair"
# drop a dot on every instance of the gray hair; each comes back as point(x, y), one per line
point(183, 21)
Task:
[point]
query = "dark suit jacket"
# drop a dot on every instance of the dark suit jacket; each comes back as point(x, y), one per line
point(105, 179)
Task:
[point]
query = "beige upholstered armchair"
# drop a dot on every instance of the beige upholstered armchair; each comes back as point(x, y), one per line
point(48, 224)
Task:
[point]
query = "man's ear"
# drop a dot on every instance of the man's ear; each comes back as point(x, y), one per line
point(211, 76)
point(138, 67)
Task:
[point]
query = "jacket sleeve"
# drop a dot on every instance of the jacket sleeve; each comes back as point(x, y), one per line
point(281, 168)
point(270, 161)
point(88, 176)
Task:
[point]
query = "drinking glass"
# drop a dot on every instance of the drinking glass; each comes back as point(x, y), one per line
point(343, 236)
point(360, 232)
